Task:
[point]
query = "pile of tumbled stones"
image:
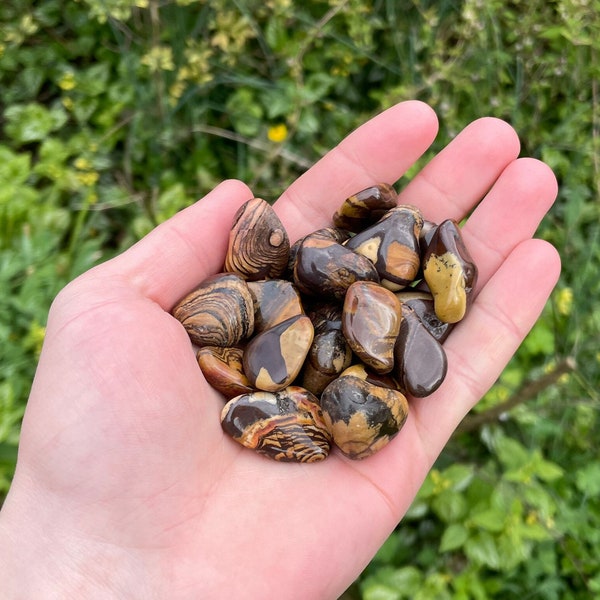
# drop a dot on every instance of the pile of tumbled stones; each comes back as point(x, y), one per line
point(320, 342)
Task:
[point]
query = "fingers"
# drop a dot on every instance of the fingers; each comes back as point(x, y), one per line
point(509, 214)
point(480, 347)
point(461, 174)
point(478, 350)
point(178, 254)
point(381, 150)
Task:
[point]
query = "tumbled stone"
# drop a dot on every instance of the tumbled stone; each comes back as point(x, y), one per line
point(326, 269)
point(449, 272)
point(259, 245)
point(223, 370)
point(392, 245)
point(371, 322)
point(361, 416)
point(219, 312)
point(274, 358)
point(420, 360)
point(286, 426)
point(365, 207)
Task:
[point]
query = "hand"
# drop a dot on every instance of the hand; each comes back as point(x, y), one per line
point(126, 486)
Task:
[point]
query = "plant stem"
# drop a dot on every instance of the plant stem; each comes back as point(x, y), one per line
point(529, 390)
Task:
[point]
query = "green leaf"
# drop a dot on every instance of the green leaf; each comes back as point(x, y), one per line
point(460, 476)
point(450, 506)
point(32, 122)
point(587, 479)
point(490, 519)
point(454, 536)
point(482, 549)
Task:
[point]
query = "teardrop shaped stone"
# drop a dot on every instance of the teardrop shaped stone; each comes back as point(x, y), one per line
point(274, 358)
point(449, 272)
point(421, 363)
point(287, 425)
point(371, 323)
point(259, 245)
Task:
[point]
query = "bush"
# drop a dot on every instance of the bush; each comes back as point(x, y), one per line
point(117, 113)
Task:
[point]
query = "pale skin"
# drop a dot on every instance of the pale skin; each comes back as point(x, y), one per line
point(126, 486)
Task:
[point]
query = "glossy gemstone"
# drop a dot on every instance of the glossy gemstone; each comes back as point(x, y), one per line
point(361, 416)
point(287, 425)
point(371, 323)
point(273, 358)
point(219, 312)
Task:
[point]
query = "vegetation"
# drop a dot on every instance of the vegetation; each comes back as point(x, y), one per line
point(117, 113)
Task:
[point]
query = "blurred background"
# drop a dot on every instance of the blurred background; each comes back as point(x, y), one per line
point(115, 114)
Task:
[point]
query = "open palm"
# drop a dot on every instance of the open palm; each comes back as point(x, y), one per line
point(126, 485)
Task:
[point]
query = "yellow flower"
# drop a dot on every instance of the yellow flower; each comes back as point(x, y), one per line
point(564, 301)
point(83, 164)
point(277, 133)
point(88, 178)
point(67, 81)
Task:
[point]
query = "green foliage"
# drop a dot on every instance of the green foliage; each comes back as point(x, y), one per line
point(118, 113)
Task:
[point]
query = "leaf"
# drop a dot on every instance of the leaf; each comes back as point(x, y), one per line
point(482, 549)
point(450, 506)
point(490, 519)
point(587, 479)
point(459, 475)
point(454, 536)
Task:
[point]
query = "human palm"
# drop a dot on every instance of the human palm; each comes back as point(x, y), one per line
point(126, 485)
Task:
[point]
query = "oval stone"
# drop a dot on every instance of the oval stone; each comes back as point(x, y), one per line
point(361, 416)
point(325, 268)
point(223, 370)
point(259, 245)
point(449, 272)
point(286, 426)
point(219, 312)
point(371, 323)
point(274, 358)
point(420, 360)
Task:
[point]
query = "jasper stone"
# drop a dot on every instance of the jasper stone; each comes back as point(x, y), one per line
point(325, 268)
point(287, 425)
point(421, 363)
point(275, 300)
point(219, 312)
point(223, 370)
point(365, 207)
point(371, 323)
point(392, 245)
point(361, 416)
point(449, 272)
point(259, 245)
point(274, 358)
